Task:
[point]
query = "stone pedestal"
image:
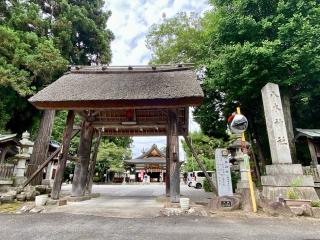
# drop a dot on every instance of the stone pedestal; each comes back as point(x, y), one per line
point(281, 175)
point(279, 180)
point(20, 170)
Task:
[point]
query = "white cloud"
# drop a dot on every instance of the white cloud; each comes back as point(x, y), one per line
point(130, 22)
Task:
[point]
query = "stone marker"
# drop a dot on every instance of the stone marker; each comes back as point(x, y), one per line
point(223, 172)
point(282, 173)
point(277, 132)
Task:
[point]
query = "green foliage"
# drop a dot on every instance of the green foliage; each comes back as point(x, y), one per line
point(38, 40)
point(206, 185)
point(111, 157)
point(58, 128)
point(79, 29)
point(175, 40)
point(235, 177)
point(204, 147)
point(245, 44)
point(293, 192)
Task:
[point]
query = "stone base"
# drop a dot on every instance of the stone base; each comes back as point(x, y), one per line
point(5, 185)
point(279, 180)
point(48, 182)
point(19, 181)
point(242, 184)
point(288, 169)
point(273, 193)
point(78, 199)
point(225, 203)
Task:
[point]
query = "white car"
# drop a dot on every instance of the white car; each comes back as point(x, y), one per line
point(197, 178)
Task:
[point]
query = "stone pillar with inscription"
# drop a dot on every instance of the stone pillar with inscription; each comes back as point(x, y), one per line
point(281, 175)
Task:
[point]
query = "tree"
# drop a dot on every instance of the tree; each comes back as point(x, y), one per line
point(76, 28)
point(79, 29)
point(249, 43)
point(175, 40)
point(204, 147)
point(27, 61)
point(110, 157)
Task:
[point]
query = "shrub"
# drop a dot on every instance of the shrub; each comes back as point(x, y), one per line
point(96, 179)
point(293, 194)
point(206, 185)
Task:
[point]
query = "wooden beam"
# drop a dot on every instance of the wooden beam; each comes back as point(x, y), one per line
point(81, 169)
point(46, 162)
point(92, 165)
point(202, 167)
point(121, 126)
point(64, 156)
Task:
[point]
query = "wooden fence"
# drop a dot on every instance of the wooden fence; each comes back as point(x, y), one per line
point(6, 171)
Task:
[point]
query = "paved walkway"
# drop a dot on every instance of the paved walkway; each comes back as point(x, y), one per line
point(127, 201)
point(69, 226)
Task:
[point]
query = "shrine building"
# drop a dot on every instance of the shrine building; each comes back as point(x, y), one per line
point(151, 163)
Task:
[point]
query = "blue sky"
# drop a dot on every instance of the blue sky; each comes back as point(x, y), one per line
point(130, 22)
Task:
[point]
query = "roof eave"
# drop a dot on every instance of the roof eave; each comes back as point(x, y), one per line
point(127, 103)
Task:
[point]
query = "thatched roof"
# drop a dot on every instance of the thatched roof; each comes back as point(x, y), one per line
point(96, 87)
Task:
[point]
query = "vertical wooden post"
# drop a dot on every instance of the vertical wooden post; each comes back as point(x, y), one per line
point(41, 145)
point(64, 155)
point(92, 165)
point(3, 153)
point(313, 154)
point(174, 156)
point(81, 169)
point(168, 164)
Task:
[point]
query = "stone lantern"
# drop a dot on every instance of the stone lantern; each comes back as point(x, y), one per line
point(236, 150)
point(26, 147)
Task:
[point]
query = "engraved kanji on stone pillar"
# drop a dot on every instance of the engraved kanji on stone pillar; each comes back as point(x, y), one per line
point(277, 132)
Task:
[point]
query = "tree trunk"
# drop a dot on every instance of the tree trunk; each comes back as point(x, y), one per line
point(63, 157)
point(256, 162)
point(259, 148)
point(81, 169)
point(41, 145)
point(202, 167)
point(93, 164)
point(173, 145)
point(289, 126)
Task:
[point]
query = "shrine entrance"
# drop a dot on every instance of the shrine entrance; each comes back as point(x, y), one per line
point(121, 101)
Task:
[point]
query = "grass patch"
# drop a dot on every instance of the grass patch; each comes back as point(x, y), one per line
point(10, 207)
